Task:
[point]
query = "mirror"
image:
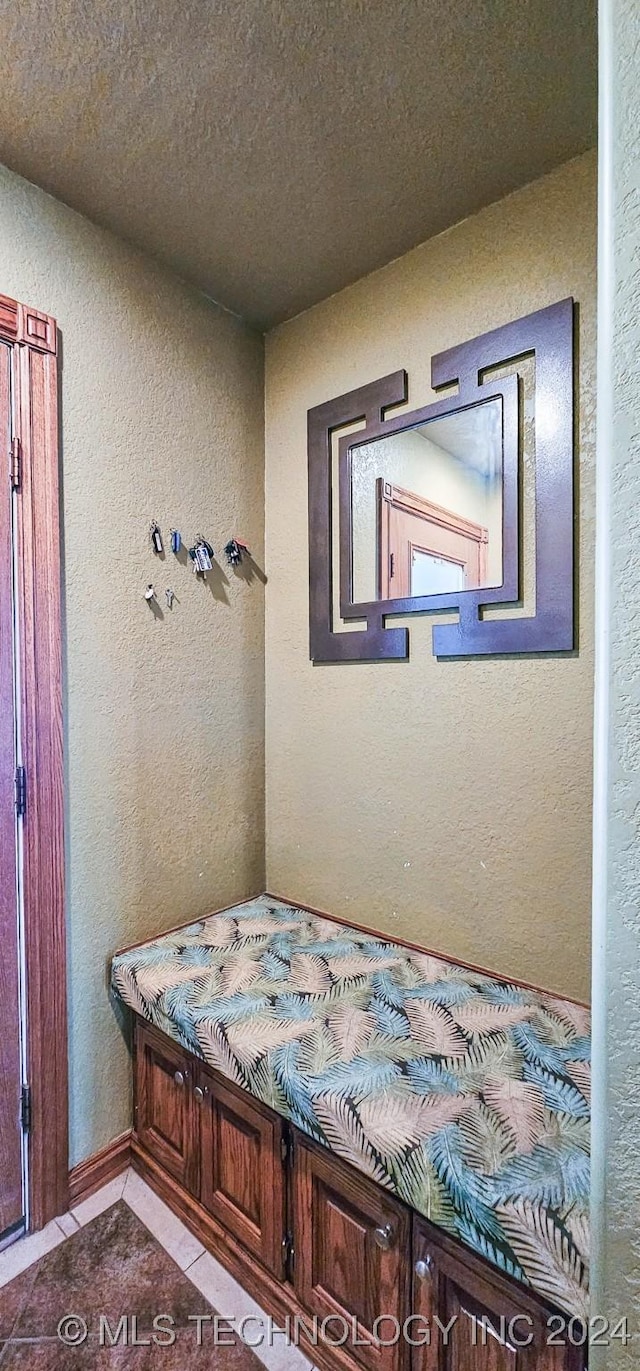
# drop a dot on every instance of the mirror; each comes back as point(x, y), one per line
point(427, 507)
point(459, 461)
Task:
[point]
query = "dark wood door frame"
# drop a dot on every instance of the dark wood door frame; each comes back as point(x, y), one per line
point(11, 1199)
point(33, 340)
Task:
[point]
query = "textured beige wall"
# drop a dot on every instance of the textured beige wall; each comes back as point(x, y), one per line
point(162, 417)
point(446, 802)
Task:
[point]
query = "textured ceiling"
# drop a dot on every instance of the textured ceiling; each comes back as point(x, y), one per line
point(272, 151)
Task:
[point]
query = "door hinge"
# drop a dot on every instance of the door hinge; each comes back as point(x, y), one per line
point(288, 1255)
point(21, 791)
point(25, 1109)
point(15, 463)
point(286, 1149)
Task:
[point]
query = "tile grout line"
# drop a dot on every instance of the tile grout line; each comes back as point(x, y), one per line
point(20, 1311)
point(268, 1365)
point(169, 1246)
point(56, 1224)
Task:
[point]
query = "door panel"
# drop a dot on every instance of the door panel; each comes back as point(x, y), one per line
point(166, 1112)
point(11, 1205)
point(427, 1355)
point(352, 1248)
point(424, 549)
point(408, 532)
point(490, 1325)
point(242, 1175)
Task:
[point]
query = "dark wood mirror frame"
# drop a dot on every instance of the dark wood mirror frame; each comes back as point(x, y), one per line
point(547, 336)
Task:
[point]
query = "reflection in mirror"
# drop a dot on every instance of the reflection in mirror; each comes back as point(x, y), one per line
point(426, 507)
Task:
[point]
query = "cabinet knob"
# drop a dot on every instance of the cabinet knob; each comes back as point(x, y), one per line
point(180, 1077)
point(200, 1093)
point(423, 1268)
point(383, 1237)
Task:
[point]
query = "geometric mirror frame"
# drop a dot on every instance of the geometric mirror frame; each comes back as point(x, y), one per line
point(547, 337)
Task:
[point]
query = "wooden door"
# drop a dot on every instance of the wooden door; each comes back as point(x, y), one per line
point(425, 549)
point(242, 1168)
point(11, 1201)
point(352, 1257)
point(166, 1113)
point(477, 1321)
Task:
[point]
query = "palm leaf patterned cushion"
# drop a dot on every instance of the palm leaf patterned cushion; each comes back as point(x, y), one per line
point(465, 1095)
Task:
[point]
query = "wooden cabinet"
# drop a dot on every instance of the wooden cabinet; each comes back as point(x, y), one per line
point(312, 1238)
point(224, 1148)
point(241, 1169)
point(166, 1119)
point(351, 1242)
point(425, 1333)
point(477, 1321)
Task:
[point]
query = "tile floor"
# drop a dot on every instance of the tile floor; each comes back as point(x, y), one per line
point(121, 1253)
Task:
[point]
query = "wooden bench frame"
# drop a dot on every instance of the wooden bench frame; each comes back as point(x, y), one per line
point(287, 1214)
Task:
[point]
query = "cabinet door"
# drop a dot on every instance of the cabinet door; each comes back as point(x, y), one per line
point(242, 1172)
point(476, 1321)
point(352, 1257)
point(165, 1112)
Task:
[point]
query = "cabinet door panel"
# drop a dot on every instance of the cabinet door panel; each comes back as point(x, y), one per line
point(166, 1121)
point(242, 1178)
point(490, 1325)
point(425, 1332)
point(351, 1256)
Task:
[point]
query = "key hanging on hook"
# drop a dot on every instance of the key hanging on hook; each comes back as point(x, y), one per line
point(202, 555)
point(156, 537)
point(235, 551)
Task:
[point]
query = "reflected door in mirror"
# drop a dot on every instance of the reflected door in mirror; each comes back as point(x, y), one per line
point(427, 507)
point(425, 549)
